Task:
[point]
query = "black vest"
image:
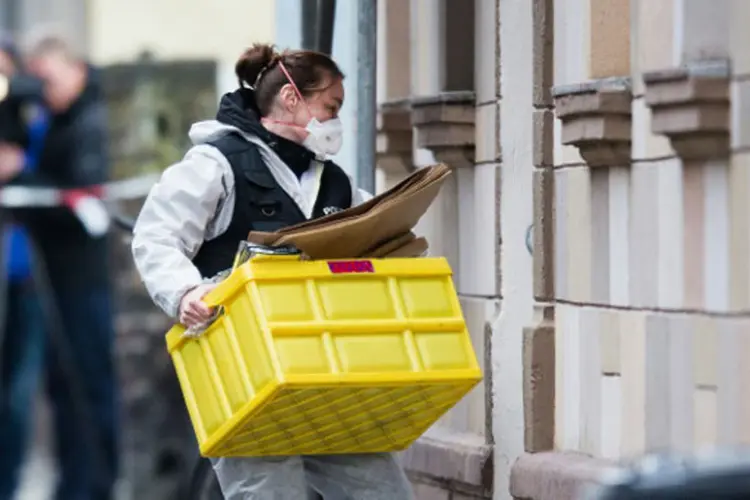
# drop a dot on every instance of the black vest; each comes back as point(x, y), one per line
point(261, 204)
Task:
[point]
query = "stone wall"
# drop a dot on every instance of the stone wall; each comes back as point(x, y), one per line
point(158, 444)
point(151, 108)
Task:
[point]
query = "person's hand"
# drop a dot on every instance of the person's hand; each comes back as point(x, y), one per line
point(193, 311)
point(11, 161)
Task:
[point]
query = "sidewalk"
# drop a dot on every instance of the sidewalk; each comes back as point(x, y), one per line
point(38, 477)
point(39, 474)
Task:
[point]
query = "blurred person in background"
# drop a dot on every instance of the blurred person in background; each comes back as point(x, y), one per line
point(23, 123)
point(81, 377)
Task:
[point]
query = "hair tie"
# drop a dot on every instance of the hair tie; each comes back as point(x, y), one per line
point(274, 59)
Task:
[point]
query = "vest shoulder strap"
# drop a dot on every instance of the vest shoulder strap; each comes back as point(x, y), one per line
point(231, 144)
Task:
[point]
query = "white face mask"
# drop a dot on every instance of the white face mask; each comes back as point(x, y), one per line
point(324, 139)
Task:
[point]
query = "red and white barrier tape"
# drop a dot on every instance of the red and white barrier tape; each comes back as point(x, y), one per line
point(88, 204)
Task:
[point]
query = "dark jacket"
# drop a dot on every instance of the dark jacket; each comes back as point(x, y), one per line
point(75, 155)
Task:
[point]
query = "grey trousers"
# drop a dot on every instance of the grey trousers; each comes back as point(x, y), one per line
point(337, 477)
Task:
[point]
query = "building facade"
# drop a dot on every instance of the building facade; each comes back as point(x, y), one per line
point(596, 221)
point(179, 30)
point(111, 32)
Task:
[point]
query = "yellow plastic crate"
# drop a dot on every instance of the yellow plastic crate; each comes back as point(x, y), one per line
point(315, 357)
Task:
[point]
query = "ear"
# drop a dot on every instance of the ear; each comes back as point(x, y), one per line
point(288, 96)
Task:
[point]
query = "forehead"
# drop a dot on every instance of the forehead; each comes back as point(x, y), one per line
point(334, 92)
point(47, 59)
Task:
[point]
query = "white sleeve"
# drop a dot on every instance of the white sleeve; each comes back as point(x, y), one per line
point(173, 223)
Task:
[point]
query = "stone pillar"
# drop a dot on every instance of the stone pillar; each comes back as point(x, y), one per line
point(522, 73)
point(454, 125)
point(590, 138)
point(539, 337)
point(593, 97)
point(694, 99)
point(443, 117)
point(394, 141)
point(740, 145)
point(690, 106)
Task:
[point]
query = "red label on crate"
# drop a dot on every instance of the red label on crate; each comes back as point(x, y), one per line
point(351, 266)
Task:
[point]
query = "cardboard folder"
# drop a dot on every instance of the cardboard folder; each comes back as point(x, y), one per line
point(380, 227)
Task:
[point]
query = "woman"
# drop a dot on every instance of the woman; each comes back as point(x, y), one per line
point(261, 165)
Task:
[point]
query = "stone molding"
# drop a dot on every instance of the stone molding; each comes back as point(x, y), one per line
point(463, 462)
point(543, 234)
point(556, 475)
point(539, 381)
point(596, 119)
point(691, 106)
point(395, 137)
point(444, 124)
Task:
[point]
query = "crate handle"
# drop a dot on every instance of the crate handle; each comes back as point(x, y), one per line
point(198, 330)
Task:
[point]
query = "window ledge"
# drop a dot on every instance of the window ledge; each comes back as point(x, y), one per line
point(555, 475)
point(596, 119)
point(451, 457)
point(690, 105)
point(454, 97)
point(395, 137)
point(444, 124)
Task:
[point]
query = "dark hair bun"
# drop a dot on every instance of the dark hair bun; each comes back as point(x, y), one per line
point(253, 62)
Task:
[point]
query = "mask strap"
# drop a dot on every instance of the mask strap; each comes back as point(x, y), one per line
point(280, 122)
point(294, 86)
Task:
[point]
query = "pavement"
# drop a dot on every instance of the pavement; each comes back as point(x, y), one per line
point(38, 476)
